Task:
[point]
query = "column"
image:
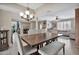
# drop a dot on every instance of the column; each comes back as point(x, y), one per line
point(77, 26)
point(36, 23)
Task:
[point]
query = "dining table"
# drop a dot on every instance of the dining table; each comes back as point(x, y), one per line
point(38, 39)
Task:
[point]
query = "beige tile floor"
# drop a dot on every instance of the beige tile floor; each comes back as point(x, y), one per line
point(70, 48)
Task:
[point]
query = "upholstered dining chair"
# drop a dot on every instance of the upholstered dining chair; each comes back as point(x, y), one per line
point(52, 48)
point(26, 50)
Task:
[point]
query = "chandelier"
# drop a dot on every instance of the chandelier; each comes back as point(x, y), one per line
point(28, 15)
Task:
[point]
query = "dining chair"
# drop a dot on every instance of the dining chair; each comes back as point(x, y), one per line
point(52, 48)
point(26, 50)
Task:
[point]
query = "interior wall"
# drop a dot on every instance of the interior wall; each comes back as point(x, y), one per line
point(5, 21)
point(33, 25)
point(0, 18)
point(73, 25)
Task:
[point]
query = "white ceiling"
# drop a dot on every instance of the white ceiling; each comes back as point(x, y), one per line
point(31, 5)
point(11, 7)
point(19, 7)
point(45, 11)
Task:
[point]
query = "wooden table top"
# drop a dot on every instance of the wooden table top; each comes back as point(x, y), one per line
point(36, 39)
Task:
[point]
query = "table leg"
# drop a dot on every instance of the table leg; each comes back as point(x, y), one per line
point(37, 47)
point(47, 42)
point(0, 44)
point(41, 45)
point(64, 50)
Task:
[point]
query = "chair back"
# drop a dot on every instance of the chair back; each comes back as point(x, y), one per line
point(17, 40)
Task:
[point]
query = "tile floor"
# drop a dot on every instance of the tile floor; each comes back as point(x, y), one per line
point(70, 47)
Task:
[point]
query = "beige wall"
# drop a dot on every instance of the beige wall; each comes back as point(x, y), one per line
point(0, 17)
point(5, 21)
point(33, 25)
point(73, 25)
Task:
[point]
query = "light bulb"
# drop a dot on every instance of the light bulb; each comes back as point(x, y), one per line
point(25, 16)
point(31, 16)
point(27, 12)
point(21, 13)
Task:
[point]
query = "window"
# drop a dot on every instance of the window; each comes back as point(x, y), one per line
point(64, 25)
